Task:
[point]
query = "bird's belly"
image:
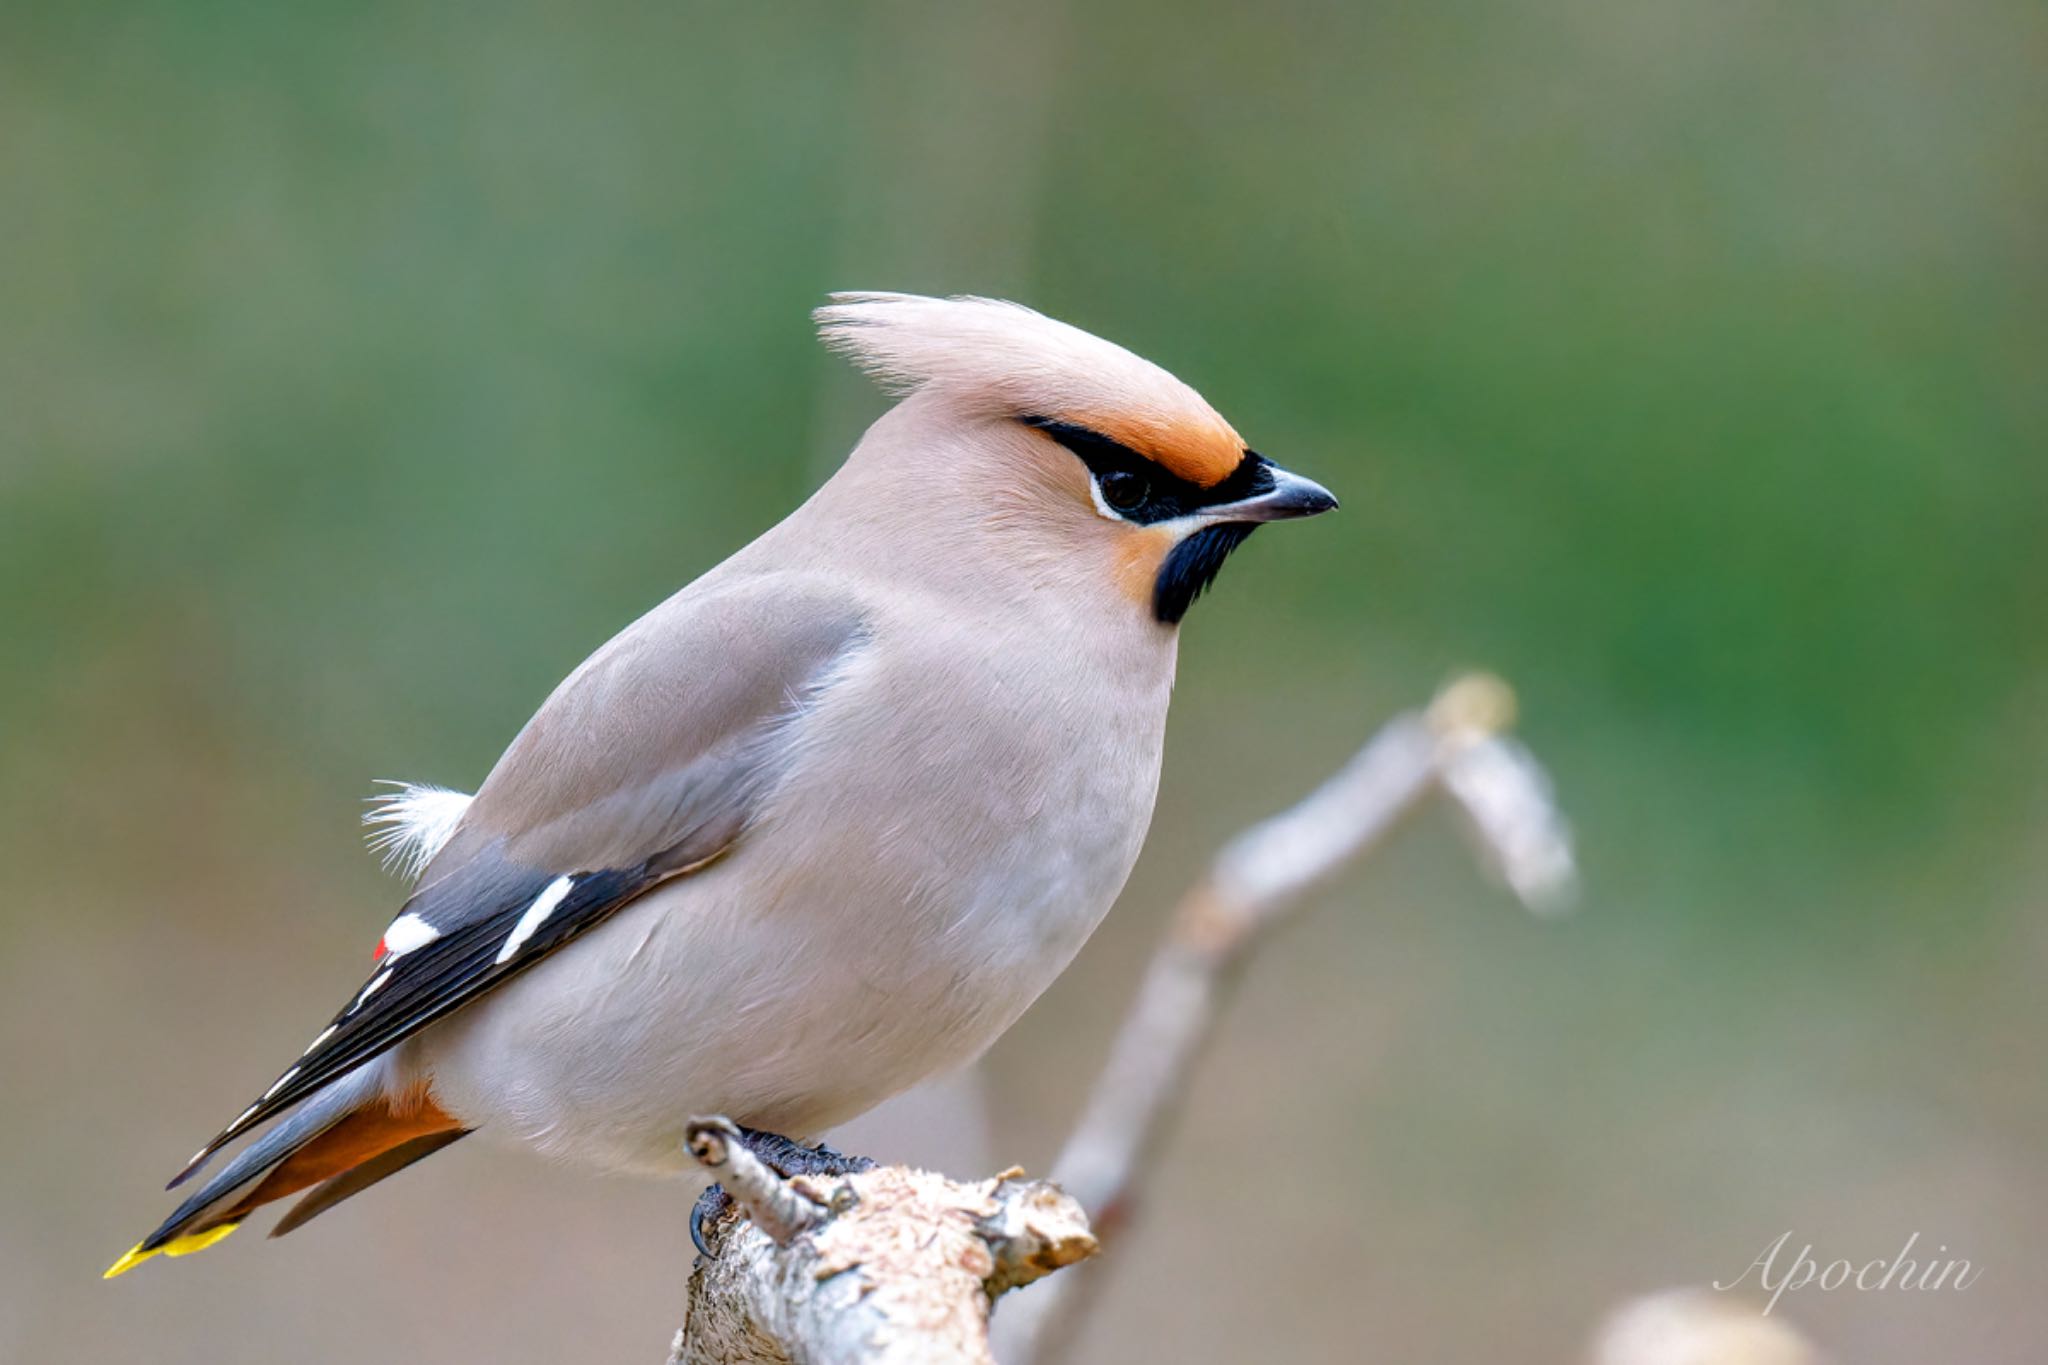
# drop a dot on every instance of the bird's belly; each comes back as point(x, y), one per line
point(790, 996)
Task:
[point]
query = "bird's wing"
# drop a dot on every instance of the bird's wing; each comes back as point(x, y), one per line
point(646, 764)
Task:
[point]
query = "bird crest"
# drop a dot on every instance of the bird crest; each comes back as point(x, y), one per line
point(1008, 361)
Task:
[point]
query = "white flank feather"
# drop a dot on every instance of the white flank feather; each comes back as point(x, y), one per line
point(410, 823)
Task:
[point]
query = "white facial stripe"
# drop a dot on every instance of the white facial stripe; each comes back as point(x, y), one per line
point(1186, 525)
point(407, 933)
point(1102, 506)
point(536, 915)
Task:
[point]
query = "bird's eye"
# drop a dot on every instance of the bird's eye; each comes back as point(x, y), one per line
point(1124, 490)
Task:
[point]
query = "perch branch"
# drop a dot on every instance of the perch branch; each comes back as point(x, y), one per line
point(888, 1265)
point(1458, 747)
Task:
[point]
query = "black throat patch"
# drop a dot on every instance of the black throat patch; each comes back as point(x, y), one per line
point(1192, 566)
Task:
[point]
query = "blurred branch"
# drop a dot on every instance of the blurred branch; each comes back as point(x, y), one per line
point(898, 1265)
point(1458, 747)
point(888, 1265)
point(1698, 1327)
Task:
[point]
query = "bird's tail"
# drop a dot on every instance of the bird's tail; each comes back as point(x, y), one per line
point(340, 1141)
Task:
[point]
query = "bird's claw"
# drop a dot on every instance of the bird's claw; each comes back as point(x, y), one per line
point(710, 1207)
point(784, 1156)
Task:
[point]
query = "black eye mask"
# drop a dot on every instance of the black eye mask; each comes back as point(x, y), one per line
point(1144, 493)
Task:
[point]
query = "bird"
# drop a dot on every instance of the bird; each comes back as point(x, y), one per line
point(815, 828)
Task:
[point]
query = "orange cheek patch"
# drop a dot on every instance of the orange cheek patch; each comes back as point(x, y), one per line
point(1201, 448)
point(1138, 558)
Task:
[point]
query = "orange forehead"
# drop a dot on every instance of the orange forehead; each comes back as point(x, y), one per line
point(1200, 448)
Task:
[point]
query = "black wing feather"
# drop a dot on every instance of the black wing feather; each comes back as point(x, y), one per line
point(439, 977)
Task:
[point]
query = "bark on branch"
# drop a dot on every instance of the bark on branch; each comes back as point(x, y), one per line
point(888, 1265)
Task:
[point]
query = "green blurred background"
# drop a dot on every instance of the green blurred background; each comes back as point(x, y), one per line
point(363, 367)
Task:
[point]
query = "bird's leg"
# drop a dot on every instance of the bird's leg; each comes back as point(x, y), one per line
point(787, 1157)
point(784, 1156)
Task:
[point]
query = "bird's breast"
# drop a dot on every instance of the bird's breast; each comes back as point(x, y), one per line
point(993, 790)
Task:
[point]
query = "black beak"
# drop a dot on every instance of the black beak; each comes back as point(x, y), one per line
point(1286, 496)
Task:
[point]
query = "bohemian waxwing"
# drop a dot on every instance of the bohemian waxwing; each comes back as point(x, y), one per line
point(820, 825)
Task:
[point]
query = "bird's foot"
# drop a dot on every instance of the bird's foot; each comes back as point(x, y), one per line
point(788, 1158)
point(784, 1156)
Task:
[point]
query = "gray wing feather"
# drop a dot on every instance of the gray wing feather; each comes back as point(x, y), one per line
point(665, 728)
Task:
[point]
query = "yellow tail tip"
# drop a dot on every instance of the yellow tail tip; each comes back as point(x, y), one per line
point(132, 1258)
point(177, 1246)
